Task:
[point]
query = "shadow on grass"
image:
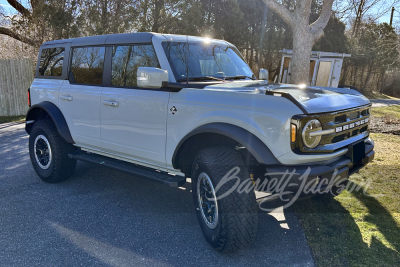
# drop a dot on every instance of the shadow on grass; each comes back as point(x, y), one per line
point(350, 234)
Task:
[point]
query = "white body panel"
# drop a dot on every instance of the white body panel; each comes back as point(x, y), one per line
point(136, 128)
point(80, 105)
point(265, 117)
point(136, 125)
point(45, 90)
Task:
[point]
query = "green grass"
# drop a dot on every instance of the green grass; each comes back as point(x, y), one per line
point(11, 119)
point(355, 229)
point(393, 111)
point(375, 95)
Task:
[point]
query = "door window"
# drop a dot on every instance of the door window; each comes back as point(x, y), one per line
point(127, 59)
point(51, 61)
point(87, 65)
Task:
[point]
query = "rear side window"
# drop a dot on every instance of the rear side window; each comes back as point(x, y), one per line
point(51, 61)
point(127, 59)
point(87, 65)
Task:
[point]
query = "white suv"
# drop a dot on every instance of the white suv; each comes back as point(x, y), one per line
point(170, 107)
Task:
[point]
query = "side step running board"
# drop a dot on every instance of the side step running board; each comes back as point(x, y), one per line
point(160, 177)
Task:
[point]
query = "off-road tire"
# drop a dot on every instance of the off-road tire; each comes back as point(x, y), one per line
point(238, 212)
point(61, 167)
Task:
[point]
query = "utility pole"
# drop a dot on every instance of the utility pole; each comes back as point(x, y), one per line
point(391, 17)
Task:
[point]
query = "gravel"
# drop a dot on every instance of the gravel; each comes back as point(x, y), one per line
point(387, 125)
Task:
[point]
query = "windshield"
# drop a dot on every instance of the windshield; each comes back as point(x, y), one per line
point(206, 62)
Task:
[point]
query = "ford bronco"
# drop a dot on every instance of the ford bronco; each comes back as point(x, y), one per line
point(169, 108)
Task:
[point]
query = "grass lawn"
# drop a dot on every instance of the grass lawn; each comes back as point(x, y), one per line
point(375, 95)
point(355, 229)
point(12, 119)
point(393, 111)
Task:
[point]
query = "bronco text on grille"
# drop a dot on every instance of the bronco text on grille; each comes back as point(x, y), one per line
point(339, 129)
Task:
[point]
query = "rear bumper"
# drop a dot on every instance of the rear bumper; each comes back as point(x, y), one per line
point(302, 180)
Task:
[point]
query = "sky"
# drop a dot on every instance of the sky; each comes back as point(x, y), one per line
point(386, 18)
point(4, 4)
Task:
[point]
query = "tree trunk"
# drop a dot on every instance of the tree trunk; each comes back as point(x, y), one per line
point(302, 46)
point(361, 78)
point(158, 8)
point(383, 73)
point(355, 76)
point(304, 34)
point(251, 57)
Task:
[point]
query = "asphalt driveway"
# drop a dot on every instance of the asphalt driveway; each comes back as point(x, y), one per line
point(105, 218)
point(378, 103)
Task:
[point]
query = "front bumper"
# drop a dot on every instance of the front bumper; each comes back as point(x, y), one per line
point(302, 179)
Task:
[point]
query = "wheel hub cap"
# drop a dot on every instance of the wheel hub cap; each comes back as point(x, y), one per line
point(208, 204)
point(42, 151)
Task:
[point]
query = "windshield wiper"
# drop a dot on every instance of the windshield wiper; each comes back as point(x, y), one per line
point(206, 78)
point(239, 77)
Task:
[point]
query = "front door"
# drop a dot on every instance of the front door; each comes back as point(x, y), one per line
point(133, 120)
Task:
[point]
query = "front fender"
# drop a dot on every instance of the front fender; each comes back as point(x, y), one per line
point(45, 110)
point(252, 143)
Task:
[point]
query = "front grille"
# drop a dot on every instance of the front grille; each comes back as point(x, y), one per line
point(344, 126)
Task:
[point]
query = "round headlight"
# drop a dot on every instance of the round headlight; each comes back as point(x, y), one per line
point(309, 140)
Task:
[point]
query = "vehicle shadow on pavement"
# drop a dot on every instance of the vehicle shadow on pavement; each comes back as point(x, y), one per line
point(153, 224)
point(101, 216)
point(344, 244)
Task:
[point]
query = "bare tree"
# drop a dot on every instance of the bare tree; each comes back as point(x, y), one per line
point(13, 34)
point(304, 34)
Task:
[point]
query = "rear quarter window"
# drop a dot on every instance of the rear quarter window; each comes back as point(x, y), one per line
point(51, 61)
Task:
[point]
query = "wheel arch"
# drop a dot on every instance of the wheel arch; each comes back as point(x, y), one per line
point(220, 134)
point(48, 110)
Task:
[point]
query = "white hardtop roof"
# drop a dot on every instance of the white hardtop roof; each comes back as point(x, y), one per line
point(130, 38)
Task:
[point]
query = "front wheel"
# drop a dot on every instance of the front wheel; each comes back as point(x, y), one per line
point(49, 153)
point(228, 216)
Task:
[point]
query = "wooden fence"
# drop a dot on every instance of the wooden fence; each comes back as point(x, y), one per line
point(16, 76)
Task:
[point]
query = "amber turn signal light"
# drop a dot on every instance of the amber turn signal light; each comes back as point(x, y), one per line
point(293, 133)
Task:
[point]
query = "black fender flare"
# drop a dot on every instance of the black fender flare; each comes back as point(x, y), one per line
point(36, 112)
point(252, 143)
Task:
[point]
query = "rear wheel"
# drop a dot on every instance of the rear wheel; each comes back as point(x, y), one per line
point(49, 153)
point(228, 222)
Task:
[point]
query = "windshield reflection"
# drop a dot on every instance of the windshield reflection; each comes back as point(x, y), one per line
point(205, 61)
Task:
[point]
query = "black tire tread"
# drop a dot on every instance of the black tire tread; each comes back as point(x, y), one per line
point(240, 211)
point(63, 167)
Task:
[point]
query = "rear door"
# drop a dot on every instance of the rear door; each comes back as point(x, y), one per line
point(133, 120)
point(80, 95)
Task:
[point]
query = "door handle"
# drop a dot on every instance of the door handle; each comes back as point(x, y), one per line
point(67, 98)
point(111, 103)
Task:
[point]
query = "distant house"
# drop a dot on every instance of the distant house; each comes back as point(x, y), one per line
point(325, 68)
